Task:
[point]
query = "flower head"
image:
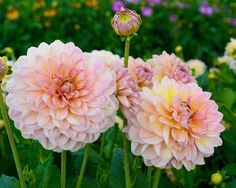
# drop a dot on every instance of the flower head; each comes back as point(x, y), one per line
point(12, 14)
point(127, 92)
point(56, 96)
point(206, 10)
point(126, 22)
point(147, 11)
point(197, 67)
point(230, 49)
point(175, 124)
point(117, 5)
point(3, 67)
point(140, 72)
point(216, 178)
point(171, 66)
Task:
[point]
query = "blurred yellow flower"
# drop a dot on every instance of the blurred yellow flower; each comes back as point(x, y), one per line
point(197, 67)
point(213, 73)
point(12, 14)
point(216, 178)
point(47, 24)
point(77, 26)
point(230, 49)
point(92, 3)
point(54, 4)
point(75, 5)
point(38, 4)
point(222, 60)
point(50, 13)
point(1, 124)
point(178, 48)
point(226, 125)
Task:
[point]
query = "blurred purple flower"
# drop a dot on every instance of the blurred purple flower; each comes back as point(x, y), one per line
point(206, 10)
point(216, 8)
point(232, 21)
point(182, 5)
point(146, 11)
point(132, 1)
point(117, 5)
point(154, 2)
point(173, 18)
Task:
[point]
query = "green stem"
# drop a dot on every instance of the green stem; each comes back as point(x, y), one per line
point(81, 175)
point(63, 169)
point(127, 46)
point(126, 162)
point(100, 154)
point(157, 178)
point(126, 142)
point(11, 139)
point(149, 176)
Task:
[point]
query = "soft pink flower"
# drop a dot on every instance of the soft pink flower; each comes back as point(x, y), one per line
point(176, 124)
point(60, 99)
point(140, 72)
point(171, 66)
point(127, 92)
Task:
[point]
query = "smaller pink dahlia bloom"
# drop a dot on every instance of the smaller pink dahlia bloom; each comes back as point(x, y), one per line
point(56, 96)
point(171, 66)
point(140, 72)
point(176, 124)
point(127, 92)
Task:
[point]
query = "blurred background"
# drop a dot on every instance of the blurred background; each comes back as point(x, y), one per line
point(201, 27)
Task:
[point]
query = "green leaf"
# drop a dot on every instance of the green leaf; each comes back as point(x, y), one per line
point(8, 182)
point(230, 169)
point(227, 97)
point(47, 175)
point(231, 184)
point(116, 176)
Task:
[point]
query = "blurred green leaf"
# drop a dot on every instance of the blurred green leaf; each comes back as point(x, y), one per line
point(8, 182)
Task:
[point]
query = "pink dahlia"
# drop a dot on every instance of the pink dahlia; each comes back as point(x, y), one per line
point(171, 66)
point(140, 72)
point(127, 92)
point(176, 124)
point(60, 99)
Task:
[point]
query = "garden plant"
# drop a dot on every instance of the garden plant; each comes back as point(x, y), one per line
point(117, 94)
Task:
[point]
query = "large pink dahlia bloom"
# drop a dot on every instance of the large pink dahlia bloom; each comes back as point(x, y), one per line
point(60, 99)
point(127, 92)
point(171, 66)
point(176, 124)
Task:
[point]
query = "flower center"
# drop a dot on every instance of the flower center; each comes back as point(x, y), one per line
point(67, 90)
point(181, 111)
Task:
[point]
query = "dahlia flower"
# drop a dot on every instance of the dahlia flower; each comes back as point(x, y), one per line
point(127, 92)
point(171, 66)
point(126, 22)
point(175, 125)
point(60, 99)
point(230, 49)
point(140, 72)
point(197, 67)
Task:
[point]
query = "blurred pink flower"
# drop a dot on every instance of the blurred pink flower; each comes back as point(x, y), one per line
point(60, 99)
point(176, 124)
point(171, 66)
point(140, 72)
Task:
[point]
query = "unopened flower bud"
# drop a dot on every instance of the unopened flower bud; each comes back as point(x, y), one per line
point(178, 48)
point(216, 178)
point(126, 22)
point(3, 67)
